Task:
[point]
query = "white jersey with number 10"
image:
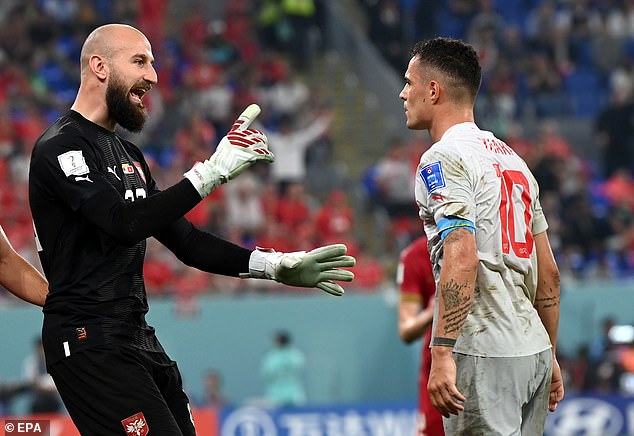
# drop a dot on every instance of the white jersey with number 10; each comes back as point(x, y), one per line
point(470, 174)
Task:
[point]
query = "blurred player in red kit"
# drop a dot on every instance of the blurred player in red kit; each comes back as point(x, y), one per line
point(415, 280)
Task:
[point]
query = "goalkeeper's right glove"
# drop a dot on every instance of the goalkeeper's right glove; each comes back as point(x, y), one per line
point(315, 269)
point(238, 150)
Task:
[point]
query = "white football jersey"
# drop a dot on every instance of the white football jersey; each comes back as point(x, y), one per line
point(470, 174)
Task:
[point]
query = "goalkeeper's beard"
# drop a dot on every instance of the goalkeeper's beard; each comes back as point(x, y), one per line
point(125, 113)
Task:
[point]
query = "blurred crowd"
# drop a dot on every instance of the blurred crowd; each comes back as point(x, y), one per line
point(543, 60)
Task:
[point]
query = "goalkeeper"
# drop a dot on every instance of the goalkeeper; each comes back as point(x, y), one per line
point(94, 203)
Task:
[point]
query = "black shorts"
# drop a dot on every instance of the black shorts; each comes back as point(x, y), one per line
point(114, 390)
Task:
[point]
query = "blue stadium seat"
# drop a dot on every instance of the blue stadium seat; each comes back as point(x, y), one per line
point(513, 11)
point(585, 92)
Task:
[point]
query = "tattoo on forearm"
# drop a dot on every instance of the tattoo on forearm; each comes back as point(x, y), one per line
point(457, 305)
point(451, 292)
point(546, 302)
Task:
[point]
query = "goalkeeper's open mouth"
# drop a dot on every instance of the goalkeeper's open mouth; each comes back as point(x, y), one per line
point(137, 93)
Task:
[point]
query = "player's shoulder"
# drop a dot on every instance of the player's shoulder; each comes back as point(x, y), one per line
point(444, 158)
point(65, 132)
point(451, 146)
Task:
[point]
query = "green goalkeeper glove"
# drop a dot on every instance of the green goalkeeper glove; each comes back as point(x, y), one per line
point(237, 151)
point(314, 269)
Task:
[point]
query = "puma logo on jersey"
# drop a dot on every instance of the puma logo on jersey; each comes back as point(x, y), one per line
point(78, 178)
point(112, 170)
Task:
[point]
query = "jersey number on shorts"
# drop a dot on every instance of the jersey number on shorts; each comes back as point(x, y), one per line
point(508, 217)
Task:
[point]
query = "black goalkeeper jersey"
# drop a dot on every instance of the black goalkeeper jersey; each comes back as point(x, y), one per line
point(94, 203)
point(96, 289)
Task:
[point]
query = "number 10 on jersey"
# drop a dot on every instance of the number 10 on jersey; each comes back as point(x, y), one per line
point(512, 197)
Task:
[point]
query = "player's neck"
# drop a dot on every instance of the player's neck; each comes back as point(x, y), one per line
point(93, 108)
point(448, 118)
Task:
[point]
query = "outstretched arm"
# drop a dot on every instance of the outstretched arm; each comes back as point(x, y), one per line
point(20, 277)
point(130, 222)
point(547, 306)
point(318, 268)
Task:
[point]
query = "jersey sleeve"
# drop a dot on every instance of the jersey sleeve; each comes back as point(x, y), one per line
point(445, 185)
point(539, 219)
point(67, 169)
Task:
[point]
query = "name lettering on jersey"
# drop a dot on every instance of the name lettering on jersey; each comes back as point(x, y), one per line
point(73, 163)
point(497, 146)
point(127, 169)
point(113, 170)
point(140, 170)
point(433, 176)
point(86, 178)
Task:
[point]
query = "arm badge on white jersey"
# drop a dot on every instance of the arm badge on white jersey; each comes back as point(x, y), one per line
point(433, 176)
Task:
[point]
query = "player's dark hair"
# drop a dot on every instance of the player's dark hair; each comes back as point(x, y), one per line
point(454, 58)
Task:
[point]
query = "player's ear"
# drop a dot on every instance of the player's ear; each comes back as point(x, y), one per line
point(98, 66)
point(434, 91)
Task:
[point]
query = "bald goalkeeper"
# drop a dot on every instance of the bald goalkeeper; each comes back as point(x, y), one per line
point(94, 203)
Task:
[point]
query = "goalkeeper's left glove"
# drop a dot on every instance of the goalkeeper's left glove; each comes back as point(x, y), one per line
point(314, 269)
point(238, 150)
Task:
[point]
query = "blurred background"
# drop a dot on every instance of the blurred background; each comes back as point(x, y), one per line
point(558, 77)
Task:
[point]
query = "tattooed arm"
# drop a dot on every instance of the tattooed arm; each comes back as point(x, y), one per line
point(547, 296)
point(547, 306)
point(456, 285)
point(455, 296)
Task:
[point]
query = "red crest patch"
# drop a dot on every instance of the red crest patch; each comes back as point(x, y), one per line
point(136, 425)
point(81, 333)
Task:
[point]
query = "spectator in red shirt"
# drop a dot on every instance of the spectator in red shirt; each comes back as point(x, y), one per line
point(334, 217)
point(194, 31)
point(292, 209)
